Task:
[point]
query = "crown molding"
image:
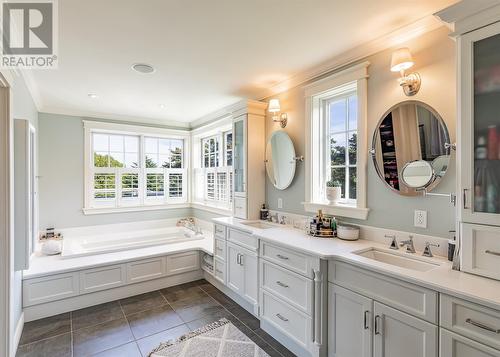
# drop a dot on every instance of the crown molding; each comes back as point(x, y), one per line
point(466, 16)
point(117, 118)
point(357, 53)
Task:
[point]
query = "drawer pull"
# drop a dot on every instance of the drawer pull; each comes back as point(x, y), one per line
point(282, 257)
point(378, 320)
point(282, 284)
point(492, 252)
point(281, 318)
point(219, 271)
point(365, 323)
point(483, 326)
point(219, 249)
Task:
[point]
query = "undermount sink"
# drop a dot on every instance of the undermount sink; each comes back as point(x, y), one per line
point(258, 225)
point(395, 259)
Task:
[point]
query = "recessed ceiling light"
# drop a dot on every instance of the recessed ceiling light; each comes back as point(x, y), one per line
point(93, 95)
point(162, 106)
point(143, 68)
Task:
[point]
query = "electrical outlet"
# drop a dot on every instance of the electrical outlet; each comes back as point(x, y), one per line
point(280, 203)
point(420, 219)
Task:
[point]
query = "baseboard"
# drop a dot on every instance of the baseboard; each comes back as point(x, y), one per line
point(284, 339)
point(52, 308)
point(17, 335)
point(251, 308)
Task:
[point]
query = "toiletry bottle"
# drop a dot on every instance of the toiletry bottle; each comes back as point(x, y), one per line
point(452, 244)
point(492, 142)
point(481, 150)
point(491, 194)
point(264, 212)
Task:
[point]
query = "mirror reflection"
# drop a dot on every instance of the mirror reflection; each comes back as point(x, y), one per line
point(280, 159)
point(410, 148)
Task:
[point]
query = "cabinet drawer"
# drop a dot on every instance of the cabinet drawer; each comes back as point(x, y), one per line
point(289, 259)
point(286, 318)
point(481, 250)
point(220, 231)
point(182, 262)
point(240, 207)
point(412, 299)
point(50, 288)
point(474, 321)
point(220, 270)
point(146, 269)
point(291, 287)
point(102, 278)
point(244, 239)
point(453, 345)
point(220, 248)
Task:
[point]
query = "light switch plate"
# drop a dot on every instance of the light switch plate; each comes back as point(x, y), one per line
point(280, 203)
point(420, 219)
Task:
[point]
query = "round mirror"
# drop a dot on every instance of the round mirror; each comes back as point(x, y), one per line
point(410, 148)
point(417, 174)
point(280, 159)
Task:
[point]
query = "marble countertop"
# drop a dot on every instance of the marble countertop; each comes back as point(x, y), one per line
point(55, 264)
point(442, 278)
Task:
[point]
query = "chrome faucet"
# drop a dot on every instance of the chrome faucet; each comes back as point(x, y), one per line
point(427, 250)
point(410, 248)
point(394, 242)
point(270, 217)
point(283, 219)
point(190, 224)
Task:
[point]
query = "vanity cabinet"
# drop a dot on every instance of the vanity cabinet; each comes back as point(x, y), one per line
point(355, 321)
point(242, 272)
point(350, 325)
point(454, 345)
point(249, 178)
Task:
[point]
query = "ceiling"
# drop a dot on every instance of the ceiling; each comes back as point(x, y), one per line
point(207, 54)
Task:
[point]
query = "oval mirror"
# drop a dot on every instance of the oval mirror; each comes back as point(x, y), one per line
point(280, 159)
point(410, 148)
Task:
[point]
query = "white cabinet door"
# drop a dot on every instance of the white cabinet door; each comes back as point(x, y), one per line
point(235, 271)
point(397, 334)
point(453, 345)
point(479, 97)
point(249, 263)
point(350, 323)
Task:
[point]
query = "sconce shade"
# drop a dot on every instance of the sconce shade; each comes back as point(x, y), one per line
point(401, 60)
point(274, 106)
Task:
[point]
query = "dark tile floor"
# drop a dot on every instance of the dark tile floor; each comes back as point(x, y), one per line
point(134, 326)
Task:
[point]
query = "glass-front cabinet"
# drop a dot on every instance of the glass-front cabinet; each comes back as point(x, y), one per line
point(239, 165)
point(480, 125)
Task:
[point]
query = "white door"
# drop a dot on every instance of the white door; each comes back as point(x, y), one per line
point(453, 345)
point(235, 272)
point(397, 334)
point(478, 157)
point(250, 267)
point(350, 323)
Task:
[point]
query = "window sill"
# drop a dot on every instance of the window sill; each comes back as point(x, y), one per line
point(338, 210)
point(106, 210)
point(212, 209)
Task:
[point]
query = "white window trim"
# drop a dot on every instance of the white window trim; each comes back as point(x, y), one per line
point(314, 92)
point(217, 128)
point(127, 129)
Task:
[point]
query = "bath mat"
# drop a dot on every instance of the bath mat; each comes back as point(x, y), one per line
point(218, 339)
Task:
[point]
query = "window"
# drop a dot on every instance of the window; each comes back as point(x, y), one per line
point(212, 183)
point(343, 122)
point(336, 142)
point(132, 170)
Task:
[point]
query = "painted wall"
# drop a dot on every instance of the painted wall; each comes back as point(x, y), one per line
point(23, 107)
point(434, 55)
point(61, 185)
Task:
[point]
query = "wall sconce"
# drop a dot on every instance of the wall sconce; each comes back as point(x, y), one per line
point(401, 60)
point(274, 108)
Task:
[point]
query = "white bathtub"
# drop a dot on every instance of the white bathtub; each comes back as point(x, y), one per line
point(81, 242)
